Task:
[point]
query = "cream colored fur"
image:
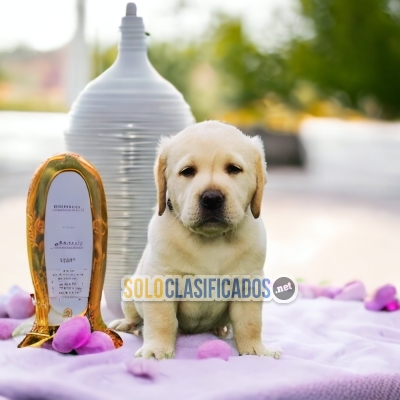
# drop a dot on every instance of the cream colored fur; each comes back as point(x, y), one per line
point(180, 244)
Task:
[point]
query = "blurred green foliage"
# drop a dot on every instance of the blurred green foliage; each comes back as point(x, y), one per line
point(352, 58)
point(176, 65)
point(223, 71)
point(245, 72)
point(355, 52)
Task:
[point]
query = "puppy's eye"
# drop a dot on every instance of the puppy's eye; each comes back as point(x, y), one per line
point(188, 172)
point(233, 169)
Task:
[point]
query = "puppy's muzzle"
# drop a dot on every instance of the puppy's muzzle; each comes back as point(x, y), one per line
point(212, 200)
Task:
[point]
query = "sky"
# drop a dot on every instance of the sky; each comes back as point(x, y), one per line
point(49, 24)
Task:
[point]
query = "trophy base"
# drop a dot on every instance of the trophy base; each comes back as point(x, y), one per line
point(118, 342)
point(39, 335)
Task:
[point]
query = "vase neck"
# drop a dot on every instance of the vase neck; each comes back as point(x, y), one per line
point(132, 48)
point(132, 34)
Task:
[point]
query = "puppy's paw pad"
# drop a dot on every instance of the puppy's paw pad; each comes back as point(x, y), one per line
point(157, 353)
point(259, 350)
point(124, 325)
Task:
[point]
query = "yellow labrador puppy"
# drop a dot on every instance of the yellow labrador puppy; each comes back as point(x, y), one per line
point(210, 179)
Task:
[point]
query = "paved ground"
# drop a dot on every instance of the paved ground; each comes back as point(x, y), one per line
point(337, 220)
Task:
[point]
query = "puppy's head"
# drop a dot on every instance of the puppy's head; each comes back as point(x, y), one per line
point(211, 173)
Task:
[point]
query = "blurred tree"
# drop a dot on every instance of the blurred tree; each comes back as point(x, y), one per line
point(355, 50)
point(246, 73)
point(225, 70)
point(222, 71)
point(175, 63)
point(351, 60)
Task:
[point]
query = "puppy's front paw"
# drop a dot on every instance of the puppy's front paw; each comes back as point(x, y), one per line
point(124, 325)
point(158, 352)
point(257, 349)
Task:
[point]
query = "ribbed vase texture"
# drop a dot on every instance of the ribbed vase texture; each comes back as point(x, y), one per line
point(116, 123)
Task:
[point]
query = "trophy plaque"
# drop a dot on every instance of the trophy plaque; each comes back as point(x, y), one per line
point(67, 246)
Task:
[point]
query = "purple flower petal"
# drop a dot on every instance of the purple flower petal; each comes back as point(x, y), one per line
point(214, 349)
point(98, 343)
point(72, 334)
point(353, 291)
point(382, 296)
point(143, 368)
point(392, 306)
point(7, 326)
point(20, 306)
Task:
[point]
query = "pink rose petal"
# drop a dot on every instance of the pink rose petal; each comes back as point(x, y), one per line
point(143, 368)
point(20, 306)
point(7, 326)
point(98, 343)
point(392, 306)
point(72, 334)
point(382, 296)
point(214, 349)
point(353, 291)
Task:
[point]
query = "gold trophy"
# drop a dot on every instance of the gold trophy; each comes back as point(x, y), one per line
point(67, 246)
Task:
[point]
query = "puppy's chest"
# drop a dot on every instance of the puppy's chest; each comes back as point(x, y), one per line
point(211, 261)
point(201, 316)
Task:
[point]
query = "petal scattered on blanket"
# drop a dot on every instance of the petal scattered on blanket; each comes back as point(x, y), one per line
point(20, 306)
point(7, 326)
point(384, 295)
point(72, 334)
point(353, 291)
point(98, 343)
point(325, 342)
point(392, 306)
point(143, 368)
point(214, 349)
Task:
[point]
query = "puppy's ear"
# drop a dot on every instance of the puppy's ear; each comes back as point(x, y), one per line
point(261, 176)
point(159, 174)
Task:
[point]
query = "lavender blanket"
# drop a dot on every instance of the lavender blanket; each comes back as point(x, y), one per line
point(331, 350)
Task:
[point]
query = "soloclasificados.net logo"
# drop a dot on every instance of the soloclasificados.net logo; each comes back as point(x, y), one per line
point(208, 288)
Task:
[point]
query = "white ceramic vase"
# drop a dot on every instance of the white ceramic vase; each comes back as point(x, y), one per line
point(116, 123)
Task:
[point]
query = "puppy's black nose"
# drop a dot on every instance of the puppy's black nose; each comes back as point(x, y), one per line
point(212, 199)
